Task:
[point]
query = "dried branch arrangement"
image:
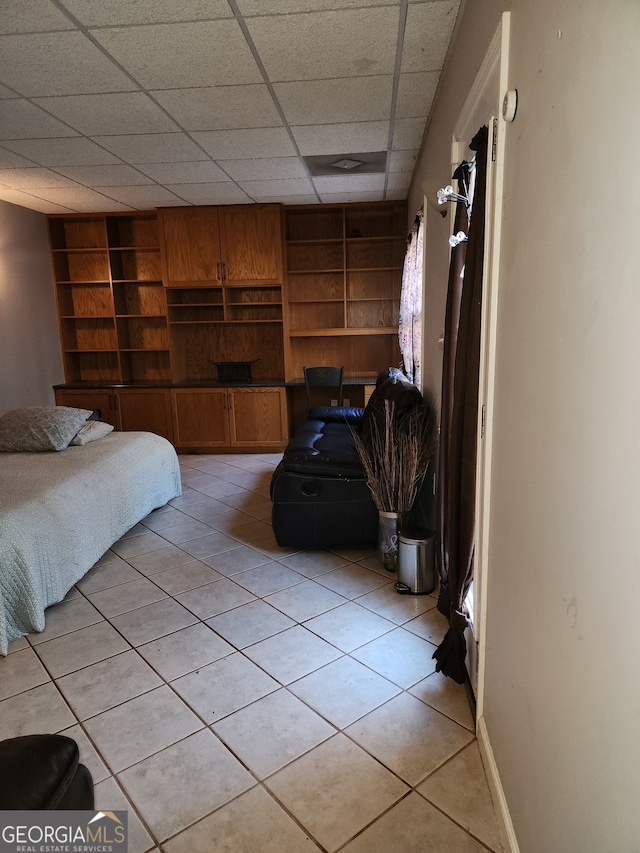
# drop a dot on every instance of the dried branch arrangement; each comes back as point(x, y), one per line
point(396, 455)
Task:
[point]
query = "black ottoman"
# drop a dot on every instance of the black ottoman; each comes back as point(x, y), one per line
point(42, 772)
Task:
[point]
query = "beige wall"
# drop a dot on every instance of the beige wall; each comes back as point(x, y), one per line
point(30, 360)
point(562, 693)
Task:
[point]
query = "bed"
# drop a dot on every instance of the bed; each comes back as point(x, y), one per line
point(60, 512)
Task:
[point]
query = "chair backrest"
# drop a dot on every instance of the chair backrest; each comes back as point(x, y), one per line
point(323, 377)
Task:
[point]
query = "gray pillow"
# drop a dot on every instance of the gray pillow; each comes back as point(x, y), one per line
point(40, 428)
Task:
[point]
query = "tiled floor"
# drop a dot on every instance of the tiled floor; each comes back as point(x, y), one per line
point(238, 697)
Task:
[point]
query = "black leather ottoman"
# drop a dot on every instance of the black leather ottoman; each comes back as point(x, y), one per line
point(43, 772)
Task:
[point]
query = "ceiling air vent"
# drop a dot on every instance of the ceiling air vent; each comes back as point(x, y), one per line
point(367, 163)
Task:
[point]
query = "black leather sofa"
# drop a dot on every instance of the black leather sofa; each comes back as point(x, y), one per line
point(319, 493)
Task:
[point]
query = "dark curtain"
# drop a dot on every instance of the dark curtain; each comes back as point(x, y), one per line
point(455, 503)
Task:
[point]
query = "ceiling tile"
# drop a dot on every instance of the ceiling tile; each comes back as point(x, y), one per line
point(264, 169)
point(23, 179)
point(29, 16)
point(341, 138)
point(153, 147)
point(333, 101)
point(349, 183)
point(392, 195)
point(105, 176)
point(76, 151)
point(284, 7)
point(415, 93)
point(20, 119)
point(290, 186)
point(95, 13)
point(399, 181)
point(30, 201)
point(241, 144)
point(142, 196)
point(219, 193)
point(58, 64)
point(172, 56)
point(9, 160)
point(407, 133)
point(219, 108)
point(327, 44)
point(81, 199)
point(340, 198)
point(403, 161)
point(184, 173)
point(427, 34)
point(96, 115)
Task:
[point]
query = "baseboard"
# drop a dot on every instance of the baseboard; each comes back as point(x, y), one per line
point(509, 840)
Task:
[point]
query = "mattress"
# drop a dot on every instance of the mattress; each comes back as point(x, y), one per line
point(60, 512)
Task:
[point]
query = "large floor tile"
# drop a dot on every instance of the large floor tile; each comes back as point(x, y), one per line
point(41, 710)
point(352, 580)
point(397, 608)
point(21, 671)
point(208, 601)
point(313, 563)
point(446, 696)
point(126, 596)
point(206, 546)
point(226, 685)
point(344, 690)
point(305, 600)
point(471, 805)
point(349, 626)
point(81, 648)
point(107, 575)
point(267, 579)
point(186, 529)
point(156, 521)
point(185, 651)
point(414, 826)
point(110, 682)
point(431, 625)
point(153, 621)
point(252, 823)
point(185, 782)
point(336, 790)
point(110, 797)
point(66, 617)
point(399, 656)
point(236, 560)
point(293, 653)
point(186, 577)
point(136, 545)
point(409, 737)
point(273, 731)
point(140, 727)
point(250, 623)
point(160, 560)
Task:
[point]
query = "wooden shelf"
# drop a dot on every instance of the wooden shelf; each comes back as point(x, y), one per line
point(344, 273)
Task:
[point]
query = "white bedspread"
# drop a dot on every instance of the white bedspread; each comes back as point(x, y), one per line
point(59, 513)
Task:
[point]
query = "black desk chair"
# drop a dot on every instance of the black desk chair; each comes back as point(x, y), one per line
point(323, 377)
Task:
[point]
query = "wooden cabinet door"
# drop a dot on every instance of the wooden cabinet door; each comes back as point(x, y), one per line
point(200, 418)
point(145, 410)
point(190, 245)
point(101, 400)
point(251, 243)
point(258, 416)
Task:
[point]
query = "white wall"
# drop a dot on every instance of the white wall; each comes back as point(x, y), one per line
point(30, 360)
point(562, 694)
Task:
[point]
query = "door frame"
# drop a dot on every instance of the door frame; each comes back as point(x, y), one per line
point(482, 107)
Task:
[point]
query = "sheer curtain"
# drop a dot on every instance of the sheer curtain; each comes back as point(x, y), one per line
point(455, 499)
point(410, 324)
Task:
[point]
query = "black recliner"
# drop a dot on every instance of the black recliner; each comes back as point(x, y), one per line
point(43, 772)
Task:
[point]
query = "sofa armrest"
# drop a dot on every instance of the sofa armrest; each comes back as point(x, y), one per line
point(350, 414)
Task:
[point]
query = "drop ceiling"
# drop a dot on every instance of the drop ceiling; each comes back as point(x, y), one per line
point(110, 105)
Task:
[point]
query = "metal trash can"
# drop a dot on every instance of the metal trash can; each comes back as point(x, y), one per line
point(416, 562)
